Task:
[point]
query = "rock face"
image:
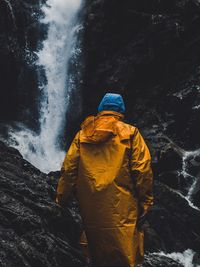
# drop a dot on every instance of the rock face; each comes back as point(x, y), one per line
point(154, 260)
point(20, 35)
point(149, 51)
point(172, 223)
point(34, 231)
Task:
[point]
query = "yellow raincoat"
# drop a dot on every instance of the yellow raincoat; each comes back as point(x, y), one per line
point(108, 168)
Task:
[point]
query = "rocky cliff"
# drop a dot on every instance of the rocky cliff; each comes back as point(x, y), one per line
point(35, 231)
point(150, 52)
point(21, 33)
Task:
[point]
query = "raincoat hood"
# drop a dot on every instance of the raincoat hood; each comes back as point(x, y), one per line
point(112, 102)
point(100, 128)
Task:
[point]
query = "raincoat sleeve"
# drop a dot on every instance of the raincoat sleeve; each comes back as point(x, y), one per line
point(142, 172)
point(69, 173)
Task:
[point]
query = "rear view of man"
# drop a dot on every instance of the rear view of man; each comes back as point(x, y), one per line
point(108, 167)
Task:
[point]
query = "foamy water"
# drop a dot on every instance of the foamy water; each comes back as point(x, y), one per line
point(185, 258)
point(187, 155)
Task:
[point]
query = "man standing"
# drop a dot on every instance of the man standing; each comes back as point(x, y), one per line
point(108, 167)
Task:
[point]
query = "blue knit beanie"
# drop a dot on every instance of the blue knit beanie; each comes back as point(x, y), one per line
point(112, 102)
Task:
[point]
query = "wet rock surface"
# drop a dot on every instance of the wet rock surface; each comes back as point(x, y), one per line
point(155, 260)
point(196, 193)
point(172, 223)
point(34, 231)
point(21, 34)
point(149, 52)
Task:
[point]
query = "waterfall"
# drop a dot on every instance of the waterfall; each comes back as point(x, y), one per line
point(43, 149)
point(188, 157)
point(185, 258)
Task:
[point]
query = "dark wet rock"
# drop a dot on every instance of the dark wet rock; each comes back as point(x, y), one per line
point(177, 180)
point(193, 165)
point(34, 231)
point(196, 193)
point(172, 222)
point(171, 159)
point(153, 260)
point(186, 182)
point(196, 259)
point(149, 51)
point(37, 232)
point(172, 179)
point(20, 36)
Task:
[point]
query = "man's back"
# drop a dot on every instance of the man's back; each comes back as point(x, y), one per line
point(104, 169)
point(105, 146)
point(105, 188)
point(108, 166)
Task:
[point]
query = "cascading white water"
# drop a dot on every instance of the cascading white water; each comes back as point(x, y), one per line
point(186, 156)
point(42, 149)
point(185, 258)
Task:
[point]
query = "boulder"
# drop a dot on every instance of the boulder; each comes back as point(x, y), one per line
point(193, 164)
point(153, 260)
point(195, 197)
point(149, 51)
point(34, 231)
point(21, 34)
point(172, 222)
point(177, 180)
point(171, 159)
